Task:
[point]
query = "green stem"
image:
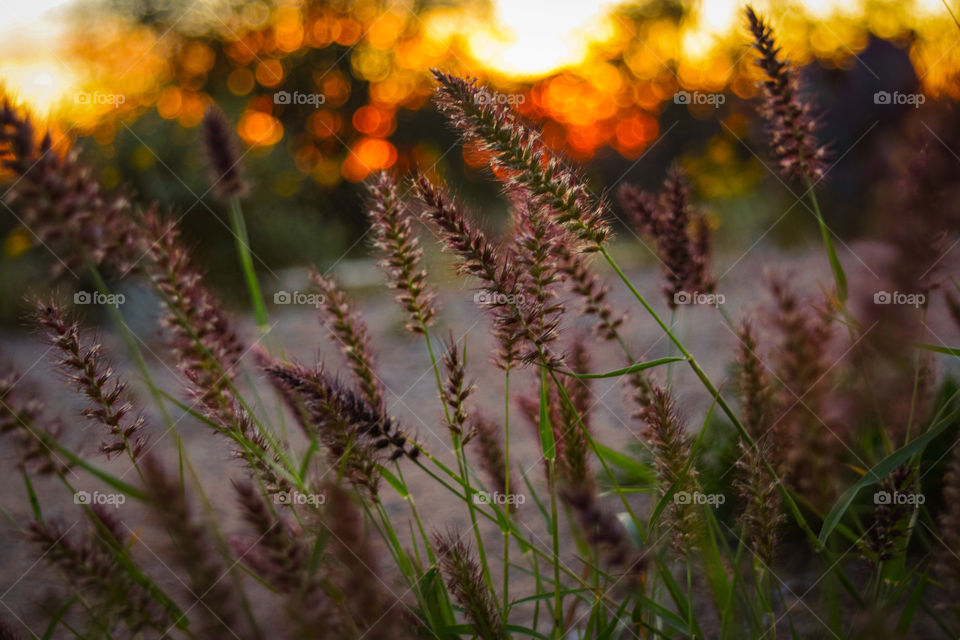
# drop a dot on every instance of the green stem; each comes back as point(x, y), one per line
point(673, 319)
point(506, 490)
point(461, 462)
point(708, 385)
point(246, 262)
point(555, 527)
point(839, 277)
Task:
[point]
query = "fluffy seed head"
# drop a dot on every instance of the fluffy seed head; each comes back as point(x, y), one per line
point(89, 372)
point(465, 581)
point(792, 128)
point(519, 152)
point(394, 237)
point(221, 147)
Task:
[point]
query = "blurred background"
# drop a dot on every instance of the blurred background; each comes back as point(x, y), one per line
point(322, 93)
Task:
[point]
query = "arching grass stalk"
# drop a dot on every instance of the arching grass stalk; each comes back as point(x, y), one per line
point(506, 489)
point(839, 277)
point(549, 451)
point(239, 226)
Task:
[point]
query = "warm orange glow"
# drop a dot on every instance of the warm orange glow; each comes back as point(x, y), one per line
point(269, 73)
point(591, 75)
point(368, 155)
point(373, 121)
point(260, 129)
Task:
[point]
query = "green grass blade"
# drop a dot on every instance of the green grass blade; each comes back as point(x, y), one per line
point(878, 473)
point(616, 373)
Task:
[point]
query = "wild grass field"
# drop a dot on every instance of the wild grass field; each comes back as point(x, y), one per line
point(499, 433)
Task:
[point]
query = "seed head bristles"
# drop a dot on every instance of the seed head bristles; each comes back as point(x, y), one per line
point(642, 209)
point(22, 418)
point(572, 465)
point(792, 128)
point(465, 581)
point(203, 342)
point(205, 346)
point(518, 150)
point(753, 383)
point(682, 235)
point(755, 485)
point(489, 448)
point(221, 147)
point(196, 553)
point(349, 332)
point(402, 254)
point(59, 199)
point(261, 455)
point(587, 285)
point(456, 389)
point(887, 538)
point(353, 431)
point(88, 370)
point(577, 489)
point(641, 389)
point(535, 241)
point(282, 558)
point(277, 556)
point(91, 569)
point(496, 270)
point(354, 455)
point(670, 444)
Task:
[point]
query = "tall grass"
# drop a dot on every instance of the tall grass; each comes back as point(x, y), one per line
point(816, 497)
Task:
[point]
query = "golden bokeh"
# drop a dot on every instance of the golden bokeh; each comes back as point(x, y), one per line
point(593, 75)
